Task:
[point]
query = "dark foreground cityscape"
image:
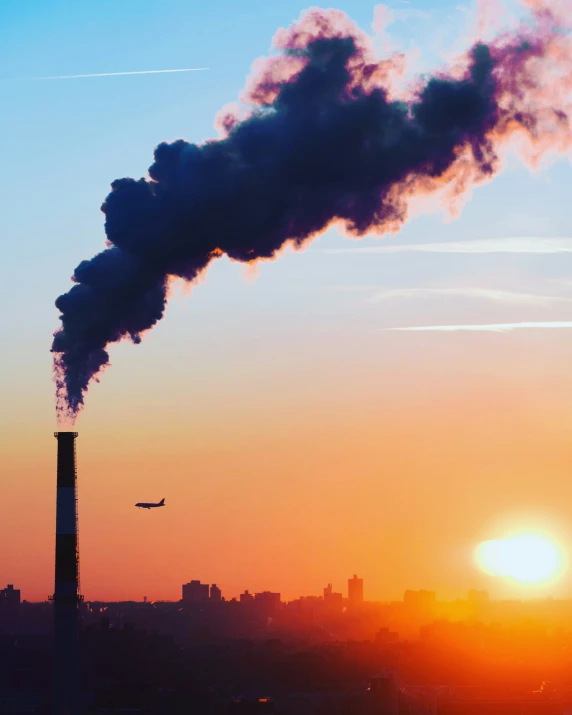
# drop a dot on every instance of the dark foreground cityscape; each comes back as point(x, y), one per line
point(336, 653)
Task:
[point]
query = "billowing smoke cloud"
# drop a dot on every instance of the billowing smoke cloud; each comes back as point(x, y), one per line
point(322, 140)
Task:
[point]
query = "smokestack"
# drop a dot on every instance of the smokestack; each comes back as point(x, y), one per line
point(66, 598)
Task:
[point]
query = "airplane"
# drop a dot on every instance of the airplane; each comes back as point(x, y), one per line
point(147, 505)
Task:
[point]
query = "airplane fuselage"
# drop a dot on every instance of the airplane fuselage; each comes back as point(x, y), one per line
point(149, 505)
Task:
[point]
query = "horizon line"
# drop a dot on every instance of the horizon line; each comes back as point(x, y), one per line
point(452, 599)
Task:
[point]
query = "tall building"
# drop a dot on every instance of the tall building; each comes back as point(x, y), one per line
point(246, 597)
point(216, 593)
point(332, 600)
point(9, 606)
point(267, 601)
point(195, 592)
point(355, 590)
point(9, 598)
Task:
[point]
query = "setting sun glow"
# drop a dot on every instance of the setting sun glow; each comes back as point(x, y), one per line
point(528, 558)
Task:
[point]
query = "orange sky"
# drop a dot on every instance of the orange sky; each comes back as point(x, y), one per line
point(388, 454)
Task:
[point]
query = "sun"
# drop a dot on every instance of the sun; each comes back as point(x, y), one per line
point(527, 558)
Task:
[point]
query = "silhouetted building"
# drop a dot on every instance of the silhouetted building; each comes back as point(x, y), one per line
point(195, 592)
point(267, 600)
point(246, 597)
point(10, 596)
point(420, 602)
point(216, 593)
point(478, 605)
point(9, 602)
point(355, 590)
point(333, 601)
point(384, 635)
point(478, 599)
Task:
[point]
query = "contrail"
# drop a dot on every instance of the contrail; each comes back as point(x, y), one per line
point(493, 328)
point(119, 74)
point(497, 245)
point(477, 293)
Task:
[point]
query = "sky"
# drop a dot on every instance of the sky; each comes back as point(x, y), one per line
point(298, 430)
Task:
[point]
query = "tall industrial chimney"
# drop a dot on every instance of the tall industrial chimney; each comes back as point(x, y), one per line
point(66, 598)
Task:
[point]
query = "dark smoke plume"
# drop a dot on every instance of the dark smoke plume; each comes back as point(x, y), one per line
point(323, 141)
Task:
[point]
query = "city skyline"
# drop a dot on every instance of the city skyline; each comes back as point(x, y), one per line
point(195, 592)
point(464, 657)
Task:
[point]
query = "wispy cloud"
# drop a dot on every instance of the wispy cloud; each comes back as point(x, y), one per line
point(499, 245)
point(407, 14)
point(492, 328)
point(496, 296)
point(376, 294)
point(114, 74)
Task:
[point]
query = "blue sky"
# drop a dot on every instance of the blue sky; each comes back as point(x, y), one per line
point(63, 142)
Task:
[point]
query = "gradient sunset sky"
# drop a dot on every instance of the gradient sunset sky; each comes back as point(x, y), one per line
point(296, 436)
